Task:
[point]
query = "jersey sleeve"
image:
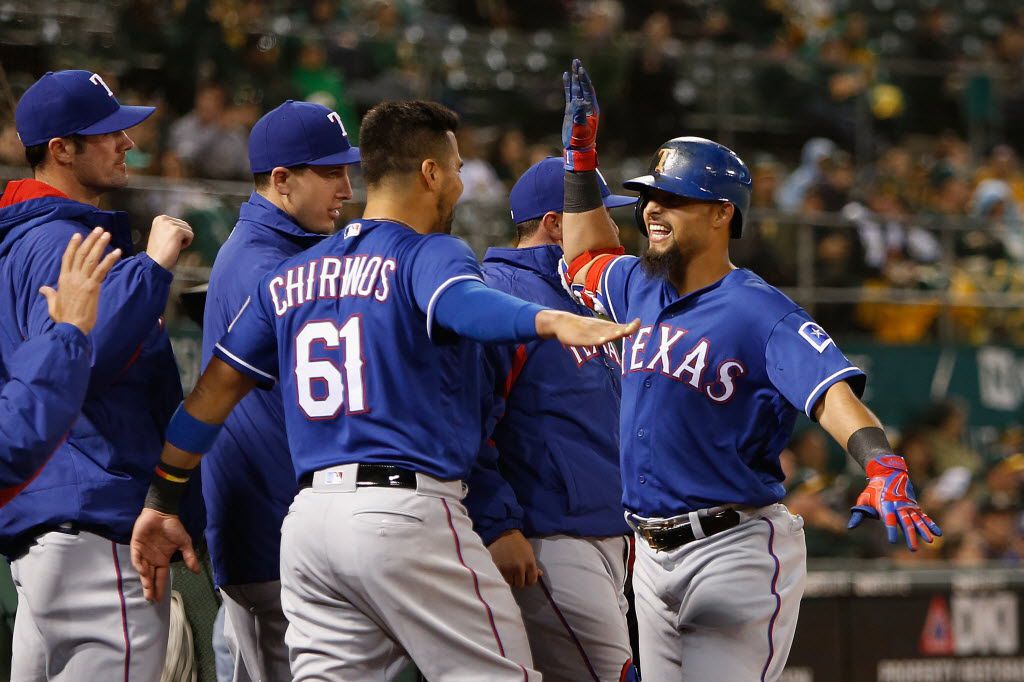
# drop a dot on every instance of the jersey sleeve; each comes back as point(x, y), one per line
point(803, 361)
point(250, 343)
point(439, 262)
point(605, 287)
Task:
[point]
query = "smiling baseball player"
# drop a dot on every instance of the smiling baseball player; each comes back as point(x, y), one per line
point(299, 154)
point(712, 384)
point(373, 335)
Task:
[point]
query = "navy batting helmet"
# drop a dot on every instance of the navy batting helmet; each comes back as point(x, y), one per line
point(699, 169)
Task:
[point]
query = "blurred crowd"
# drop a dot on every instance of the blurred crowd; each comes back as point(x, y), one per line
point(881, 134)
point(973, 493)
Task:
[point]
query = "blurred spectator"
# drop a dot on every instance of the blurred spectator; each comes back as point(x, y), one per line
point(314, 81)
point(12, 152)
point(1001, 234)
point(791, 192)
point(480, 182)
point(649, 79)
point(946, 421)
point(206, 142)
point(1003, 164)
point(997, 535)
point(509, 156)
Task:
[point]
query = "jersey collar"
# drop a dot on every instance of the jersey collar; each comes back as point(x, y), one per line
point(258, 209)
point(542, 260)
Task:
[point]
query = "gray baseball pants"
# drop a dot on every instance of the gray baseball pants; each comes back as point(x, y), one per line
point(723, 607)
point(81, 614)
point(371, 577)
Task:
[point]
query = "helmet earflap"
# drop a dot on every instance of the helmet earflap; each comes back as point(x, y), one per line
point(638, 214)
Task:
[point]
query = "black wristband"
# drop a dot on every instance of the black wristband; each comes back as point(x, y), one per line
point(167, 487)
point(582, 192)
point(868, 443)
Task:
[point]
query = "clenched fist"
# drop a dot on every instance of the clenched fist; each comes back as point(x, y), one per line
point(167, 238)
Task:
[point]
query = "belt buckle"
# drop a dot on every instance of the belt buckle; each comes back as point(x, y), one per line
point(647, 529)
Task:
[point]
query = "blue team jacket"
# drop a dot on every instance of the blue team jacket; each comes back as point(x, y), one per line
point(40, 399)
point(99, 476)
point(552, 465)
point(248, 478)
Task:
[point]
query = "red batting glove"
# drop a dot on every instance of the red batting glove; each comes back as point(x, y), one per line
point(890, 497)
point(579, 125)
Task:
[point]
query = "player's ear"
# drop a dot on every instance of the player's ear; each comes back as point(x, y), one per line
point(723, 213)
point(61, 149)
point(551, 223)
point(280, 180)
point(431, 173)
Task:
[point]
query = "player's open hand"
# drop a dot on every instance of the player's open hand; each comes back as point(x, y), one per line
point(575, 330)
point(579, 125)
point(889, 496)
point(82, 271)
point(514, 557)
point(155, 538)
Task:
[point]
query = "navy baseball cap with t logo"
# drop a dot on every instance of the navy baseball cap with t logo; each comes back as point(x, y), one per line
point(542, 188)
point(300, 134)
point(63, 103)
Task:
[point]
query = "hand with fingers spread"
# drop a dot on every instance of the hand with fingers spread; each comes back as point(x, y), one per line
point(574, 330)
point(155, 538)
point(82, 271)
point(168, 237)
point(889, 496)
point(579, 125)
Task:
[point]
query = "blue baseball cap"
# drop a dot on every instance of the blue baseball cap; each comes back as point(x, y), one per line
point(63, 103)
point(542, 188)
point(299, 134)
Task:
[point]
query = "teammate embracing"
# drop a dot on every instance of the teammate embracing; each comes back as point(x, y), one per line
point(545, 496)
point(299, 154)
point(373, 335)
point(712, 384)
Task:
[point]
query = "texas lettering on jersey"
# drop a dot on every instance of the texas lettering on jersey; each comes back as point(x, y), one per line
point(663, 352)
point(584, 354)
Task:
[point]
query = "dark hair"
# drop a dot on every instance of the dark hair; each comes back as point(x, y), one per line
point(36, 154)
point(395, 137)
point(526, 229)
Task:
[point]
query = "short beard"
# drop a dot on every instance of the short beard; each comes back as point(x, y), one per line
point(445, 221)
point(667, 265)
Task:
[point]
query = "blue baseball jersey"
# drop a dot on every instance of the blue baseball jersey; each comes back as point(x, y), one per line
point(248, 480)
point(554, 465)
point(712, 385)
point(347, 329)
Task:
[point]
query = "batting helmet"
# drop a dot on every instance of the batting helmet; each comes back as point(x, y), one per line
point(699, 169)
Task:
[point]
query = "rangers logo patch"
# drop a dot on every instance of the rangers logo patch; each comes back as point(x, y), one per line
point(816, 336)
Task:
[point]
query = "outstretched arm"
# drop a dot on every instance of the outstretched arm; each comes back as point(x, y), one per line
point(158, 533)
point(889, 495)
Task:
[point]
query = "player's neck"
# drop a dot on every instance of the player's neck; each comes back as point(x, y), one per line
point(702, 271)
point(411, 211)
point(64, 181)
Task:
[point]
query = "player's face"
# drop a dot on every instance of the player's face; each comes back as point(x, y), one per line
point(316, 196)
point(451, 187)
point(100, 165)
point(676, 223)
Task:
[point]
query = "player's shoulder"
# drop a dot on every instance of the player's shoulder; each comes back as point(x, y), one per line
point(760, 304)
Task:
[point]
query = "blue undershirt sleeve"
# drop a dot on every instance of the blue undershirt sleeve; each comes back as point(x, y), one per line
point(473, 310)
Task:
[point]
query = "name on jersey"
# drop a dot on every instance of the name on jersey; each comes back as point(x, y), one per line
point(661, 351)
point(331, 278)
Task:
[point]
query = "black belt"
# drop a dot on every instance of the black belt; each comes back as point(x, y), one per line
point(374, 476)
point(662, 537)
point(27, 540)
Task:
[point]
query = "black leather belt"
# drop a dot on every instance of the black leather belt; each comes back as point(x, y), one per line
point(375, 476)
point(667, 535)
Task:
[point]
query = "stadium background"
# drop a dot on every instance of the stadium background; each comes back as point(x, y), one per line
point(884, 137)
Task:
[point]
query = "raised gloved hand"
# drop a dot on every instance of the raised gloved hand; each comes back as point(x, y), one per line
point(579, 125)
point(889, 496)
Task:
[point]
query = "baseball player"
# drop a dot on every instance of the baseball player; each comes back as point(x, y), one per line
point(45, 381)
point(299, 154)
point(545, 494)
point(372, 335)
point(91, 622)
point(713, 380)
